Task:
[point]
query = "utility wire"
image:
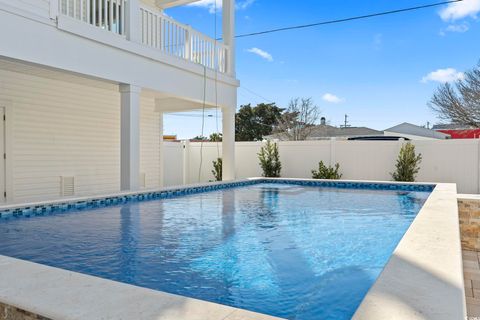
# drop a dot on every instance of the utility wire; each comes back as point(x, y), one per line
point(256, 94)
point(367, 16)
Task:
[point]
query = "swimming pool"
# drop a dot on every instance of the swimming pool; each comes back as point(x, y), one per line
point(296, 251)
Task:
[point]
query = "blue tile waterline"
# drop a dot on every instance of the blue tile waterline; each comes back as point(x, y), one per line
point(294, 249)
point(27, 211)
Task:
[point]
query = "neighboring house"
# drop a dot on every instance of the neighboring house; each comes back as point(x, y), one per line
point(414, 132)
point(325, 132)
point(458, 131)
point(170, 137)
point(84, 85)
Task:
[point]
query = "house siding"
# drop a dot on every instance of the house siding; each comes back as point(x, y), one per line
point(63, 128)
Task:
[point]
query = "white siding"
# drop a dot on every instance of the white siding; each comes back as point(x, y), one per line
point(62, 128)
point(150, 143)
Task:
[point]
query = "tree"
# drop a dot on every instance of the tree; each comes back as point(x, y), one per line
point(252, 124)
point(216, 137)
point(408, 164)
point(298, 121)
point(200, 138)
point(270, 160)
point(325, 172)
point(459, 103)
point(217, 169)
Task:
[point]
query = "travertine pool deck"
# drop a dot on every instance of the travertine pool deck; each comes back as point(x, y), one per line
point(471, 273)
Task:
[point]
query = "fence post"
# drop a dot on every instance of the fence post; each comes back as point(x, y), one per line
point(478, 167)
point(186, 161)
point(333, 159)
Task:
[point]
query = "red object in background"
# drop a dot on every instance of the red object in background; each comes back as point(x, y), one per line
point(462, 134)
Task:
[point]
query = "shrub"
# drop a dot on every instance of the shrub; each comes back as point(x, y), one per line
point(270, 160)
point(408, 164)
point(217, 169)
point(325, 172)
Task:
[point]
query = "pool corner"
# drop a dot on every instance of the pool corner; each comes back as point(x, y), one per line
point(424, 277)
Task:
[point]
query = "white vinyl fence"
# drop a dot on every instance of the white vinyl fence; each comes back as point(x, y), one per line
point(455, 161)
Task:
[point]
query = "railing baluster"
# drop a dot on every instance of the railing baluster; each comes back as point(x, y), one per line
point(100, 13)
point(81, 9)
point(155, 31)
point(105, 15)
point(110, 15)
point(151, 29)
point(147, 34)
point(123, 17)
point(143, 26)
point(117, 17)
point(87, 12)
point(94, 12)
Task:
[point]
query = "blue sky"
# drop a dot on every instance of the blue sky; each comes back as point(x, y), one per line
point(380, 71)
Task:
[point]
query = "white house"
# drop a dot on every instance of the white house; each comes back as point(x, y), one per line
point(84, 85)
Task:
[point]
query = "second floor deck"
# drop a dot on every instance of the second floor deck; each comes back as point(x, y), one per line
point(149, 25)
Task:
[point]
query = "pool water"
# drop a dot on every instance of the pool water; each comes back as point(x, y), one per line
point(291, 251)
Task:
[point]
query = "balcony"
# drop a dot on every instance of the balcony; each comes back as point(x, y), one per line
point(150, 27)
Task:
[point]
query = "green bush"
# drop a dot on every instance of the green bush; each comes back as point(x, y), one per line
point(217, 169)
point(270, 160)
point(408, 164)
point(325, 172)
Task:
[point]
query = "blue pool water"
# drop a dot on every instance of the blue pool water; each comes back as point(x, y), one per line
point(297, 252)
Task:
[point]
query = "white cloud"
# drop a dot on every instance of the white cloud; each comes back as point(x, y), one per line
point(332, 98)
point(444, 75)
point(459, 28)
point(460, 10)
point(261, 53)
point(242, 5)
point(211, 4)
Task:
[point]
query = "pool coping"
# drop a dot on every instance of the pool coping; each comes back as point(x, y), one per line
point(423, 278)
point(60, 294)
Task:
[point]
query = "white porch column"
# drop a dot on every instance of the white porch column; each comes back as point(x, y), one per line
point(129, 137)
point(228, 26)
point(228, 143)
point(132, 21)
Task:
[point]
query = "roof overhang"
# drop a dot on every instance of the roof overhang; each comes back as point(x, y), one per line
point(172, 3)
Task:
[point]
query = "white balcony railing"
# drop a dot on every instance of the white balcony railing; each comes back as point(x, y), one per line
point(167, 35)
point(157, 30)
point(105, 14)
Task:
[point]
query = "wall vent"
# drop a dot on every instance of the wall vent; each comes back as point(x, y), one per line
point(67, 186)
point(143, 180)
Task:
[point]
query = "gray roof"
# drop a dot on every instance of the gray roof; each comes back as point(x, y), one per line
point(326, 131)
point(414, 130)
